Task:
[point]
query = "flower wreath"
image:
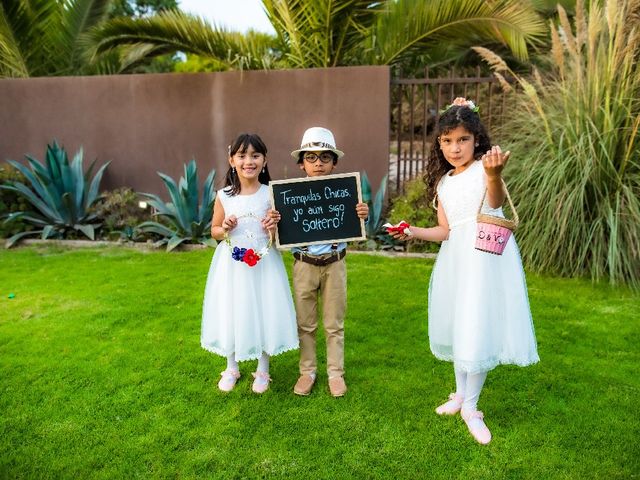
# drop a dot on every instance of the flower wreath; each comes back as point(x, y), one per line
point(465, 103)
point(247, 255)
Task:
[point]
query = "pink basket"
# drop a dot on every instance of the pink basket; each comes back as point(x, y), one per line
point(492, 238)
point(493, 233)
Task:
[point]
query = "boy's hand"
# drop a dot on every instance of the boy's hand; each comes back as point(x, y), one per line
point(362, 210)
point(229, 223)
point(494, 161)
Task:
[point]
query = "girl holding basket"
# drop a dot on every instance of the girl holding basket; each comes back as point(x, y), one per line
point(479, 315)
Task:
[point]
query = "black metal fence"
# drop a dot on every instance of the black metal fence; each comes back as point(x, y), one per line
point(415, 109)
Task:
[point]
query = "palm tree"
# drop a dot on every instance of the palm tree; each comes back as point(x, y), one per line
point(42, 37)
point(324, 33)
point(45, 38)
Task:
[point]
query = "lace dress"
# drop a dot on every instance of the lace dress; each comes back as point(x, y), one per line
point(479, 314)
point(248, 309)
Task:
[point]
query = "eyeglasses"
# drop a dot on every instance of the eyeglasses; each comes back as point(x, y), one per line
point(312, 157)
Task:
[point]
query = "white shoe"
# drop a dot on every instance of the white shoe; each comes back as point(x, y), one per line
point(451, 406)
point(261, 382)
point(228, 380)
point(477, 428)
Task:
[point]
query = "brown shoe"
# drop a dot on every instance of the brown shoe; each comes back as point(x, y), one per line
point(304, 385)
point(337, 387)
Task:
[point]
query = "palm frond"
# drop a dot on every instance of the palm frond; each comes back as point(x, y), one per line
point(409, 26)
point(80, 16)
point(26, 30)
point(84, 14)
point(12, 61)
point(173, 31)
point(321, 33)
point(42, 37)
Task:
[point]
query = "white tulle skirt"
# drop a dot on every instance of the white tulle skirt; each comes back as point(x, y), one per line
point(248, 310)
point(479, 314)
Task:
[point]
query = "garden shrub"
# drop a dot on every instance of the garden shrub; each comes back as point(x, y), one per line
point(10, 202)
point(413, 207)
point(120, 212)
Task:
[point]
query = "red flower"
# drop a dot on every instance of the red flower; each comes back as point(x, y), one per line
point(250, 257)
point(398, 228)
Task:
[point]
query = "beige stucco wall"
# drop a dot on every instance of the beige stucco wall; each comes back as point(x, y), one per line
point(149, 123)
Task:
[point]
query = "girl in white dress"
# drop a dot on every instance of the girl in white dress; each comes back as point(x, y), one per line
point(248, 309)
point(479, 314)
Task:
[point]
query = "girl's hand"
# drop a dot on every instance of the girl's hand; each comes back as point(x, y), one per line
point(270, 221)
point(362, 210)
point(274, 215)
point(403, 237)
point(229, 223)
point(269, 225)
point(494, 161)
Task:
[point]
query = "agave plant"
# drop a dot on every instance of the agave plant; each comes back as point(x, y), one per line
point(574, 131)
point(376, 206)
point(59, 192)
point(189, 220)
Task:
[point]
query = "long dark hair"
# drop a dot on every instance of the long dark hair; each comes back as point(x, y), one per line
point(241, 144)
point(455, 116)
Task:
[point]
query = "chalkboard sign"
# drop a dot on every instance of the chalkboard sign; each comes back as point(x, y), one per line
point(317, 210)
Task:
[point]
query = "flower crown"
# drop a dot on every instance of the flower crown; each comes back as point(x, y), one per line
point(247, 255)
point(462, 102)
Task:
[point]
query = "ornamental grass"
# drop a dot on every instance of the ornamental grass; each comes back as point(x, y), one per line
point(574, 131)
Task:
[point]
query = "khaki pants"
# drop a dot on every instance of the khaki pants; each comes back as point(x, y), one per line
point(330, 282)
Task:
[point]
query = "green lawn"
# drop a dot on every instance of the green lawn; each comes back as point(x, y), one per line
point(102, 376)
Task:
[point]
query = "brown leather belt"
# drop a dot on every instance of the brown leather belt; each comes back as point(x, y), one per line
point(320, 261)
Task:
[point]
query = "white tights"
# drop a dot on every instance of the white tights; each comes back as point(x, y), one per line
point(469, 386)
point(263, 363)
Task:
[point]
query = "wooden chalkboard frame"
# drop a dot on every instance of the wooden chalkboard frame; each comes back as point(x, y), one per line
point(326, 179)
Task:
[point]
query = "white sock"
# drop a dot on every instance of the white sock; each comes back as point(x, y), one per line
point(461, 381)
point(473, 389)
point(231, 363)
point(263, 363)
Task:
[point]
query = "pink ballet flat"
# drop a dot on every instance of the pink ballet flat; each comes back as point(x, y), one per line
point(452, 406)
point(228, 380)
point(261, 382)
point(476, 426)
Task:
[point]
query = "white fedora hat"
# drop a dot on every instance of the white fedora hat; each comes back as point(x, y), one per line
point(317, 139)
